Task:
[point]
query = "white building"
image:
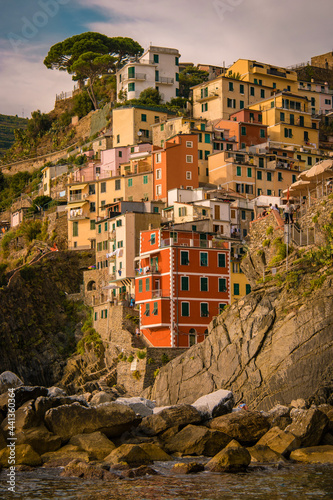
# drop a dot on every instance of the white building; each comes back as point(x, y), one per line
point(158, 68)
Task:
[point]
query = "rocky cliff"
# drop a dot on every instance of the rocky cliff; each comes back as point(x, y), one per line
point(37, 322)
point(275, 344)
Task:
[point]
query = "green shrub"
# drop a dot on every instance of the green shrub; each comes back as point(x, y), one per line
point(136, 374)
point(269, 230)
point(266, 242)
point(165, 358)
point(141, 354)
point(151, 361)
point(156, 372)
point(130, 358)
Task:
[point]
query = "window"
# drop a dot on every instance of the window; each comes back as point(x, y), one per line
point(259, 175)
point(119, 223)
point(222, 285)
point(231, 86)
point(241, 88)
point(189, 144)
point(207, 153)
point(262, 133)
point(280, 178)
point(189, 159)
point(147, 311)
point(120, 154)
point(269, 176)
point(158, 173)
point(184, 258)
point(221, 260)
point(120, 244)
point(92, 189)
point(204, 107)
point(130, 182)
point(156, 58)
point(131, 87)
point(293, 178)
point(247, 289)
point(241, 104)
point(92, 224)
point(203, 258)
point(249, 172)
point(309, 160)
point(292, 119)
point(269, 192)
point(185, 308)
point(203, 126)
point(131, 72)
point(143, 118)
point(99, 246)
point(243, 130)
point(231, 103)
point(177, 61)
point(306, 136)
point(260, 118)
point(158, 158)
point(184, 283)
point(140, 286)
point(188, 175)
point(174, 236)
point(147, 284)
point(92, 206)
point(158, 190)
point(207, 138)
point(261, 162)
point(96, 316)
point(75, 228)
point(243, 215)
point(221, 307)
point(239, 171)
point(204, 309)
point(152, 238)
point(145, 179)
point(99, 228)
point(236, 288)
point(155, 309)
point(251, 90)
point(103, 187)
point(177, 77)
point(204, 284)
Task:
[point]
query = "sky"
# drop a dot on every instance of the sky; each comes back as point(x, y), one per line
point(279, 32)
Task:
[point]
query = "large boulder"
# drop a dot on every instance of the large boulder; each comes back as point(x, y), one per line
point(245, 426)
point(96, 444)
point(263, 454)
point(101, 397)
point(309, 426)
point(197, 440)
point(24, 455)
point(64, 456)
point(54, 392)
point(155, 453)
point(141, 406)
point(215, 404)
point(8, 380)
point(132, 454)
point(233, 458)
point(282, 442)
point(314, 455)
point(169, 417)
point(188, 468)
point(39, 438)
point(279, 416)
point(25, 418)
point(78, 468)
point(26, 393)
point(110, 418)
point(43, 404)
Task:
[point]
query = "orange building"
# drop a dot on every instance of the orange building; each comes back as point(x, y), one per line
point(176, 166)
point(246, 127)
point(182, 281)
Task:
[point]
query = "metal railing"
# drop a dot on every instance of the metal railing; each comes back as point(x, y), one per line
point(156, 294)
point(302, 237)
point(164, 79)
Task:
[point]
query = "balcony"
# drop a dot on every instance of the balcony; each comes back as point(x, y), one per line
point(144, 271)
point(215, 243)
point(77, 197)
point(208, 97)
point(112, 235)
point(77, 215)
point(136, 76)
point(165, 80)
point(275, 72)
point(157, 294)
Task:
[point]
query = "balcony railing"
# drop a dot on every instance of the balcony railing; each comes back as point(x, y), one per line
point(156, 294)
point(194, 243)
point(136, 76)
point(77, 197)
point(143, 271)
point(165, 80)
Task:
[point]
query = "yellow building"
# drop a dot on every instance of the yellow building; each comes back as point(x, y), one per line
point(253, 174)
point(289, 120)
point(219, 98)
point(132, 124)
point(87, 203)
point(267, 75)
point(239, 283)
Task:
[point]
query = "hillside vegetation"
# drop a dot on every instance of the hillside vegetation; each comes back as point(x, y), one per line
point(7, 126)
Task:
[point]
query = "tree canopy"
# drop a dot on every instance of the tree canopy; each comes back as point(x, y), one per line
point(90, 55)
point(190, 77)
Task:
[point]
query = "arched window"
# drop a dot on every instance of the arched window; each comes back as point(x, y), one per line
point(91, 286)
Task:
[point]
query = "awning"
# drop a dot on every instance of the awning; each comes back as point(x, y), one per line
point(76, 187)
point(126, 281)
point(75, 205)
point(110, 287)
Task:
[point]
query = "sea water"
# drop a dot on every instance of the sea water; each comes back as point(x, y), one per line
point(304, 482)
